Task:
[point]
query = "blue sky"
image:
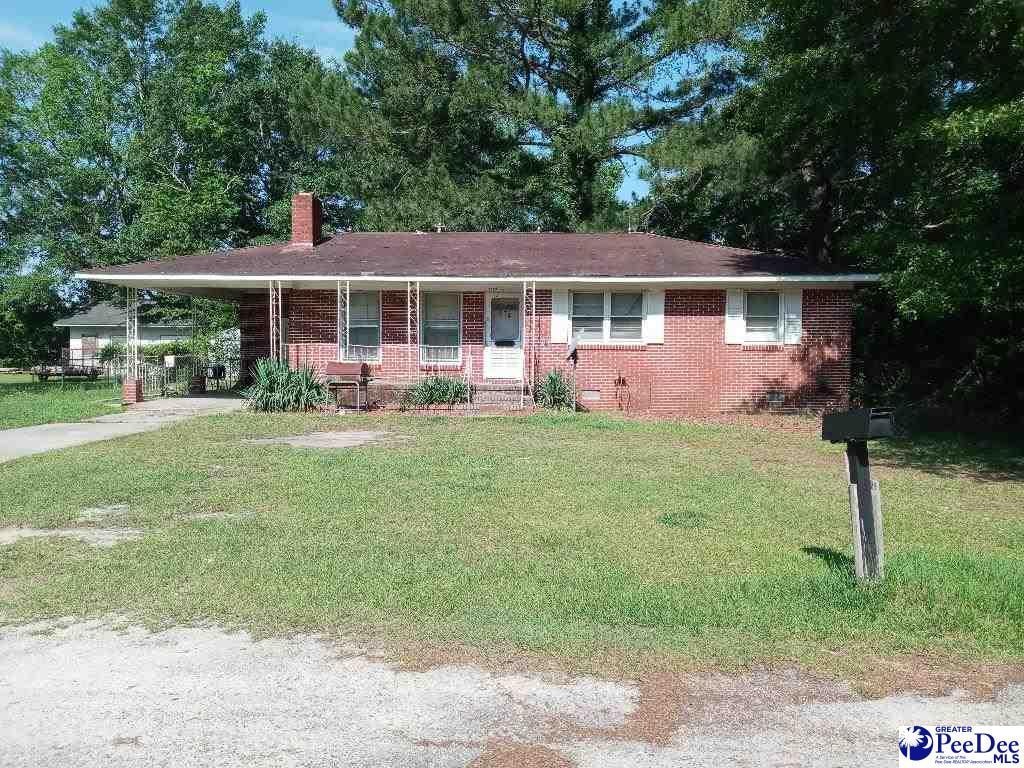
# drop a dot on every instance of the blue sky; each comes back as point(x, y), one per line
point(313, 23)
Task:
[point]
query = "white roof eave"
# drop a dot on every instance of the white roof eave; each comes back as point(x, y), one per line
point(253, 281)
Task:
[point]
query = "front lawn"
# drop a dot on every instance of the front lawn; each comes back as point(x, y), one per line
point(24, 402)
point(582, 537)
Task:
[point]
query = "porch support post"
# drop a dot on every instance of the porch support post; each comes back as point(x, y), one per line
point(533, 330)
point(522, 375)
point(132, 386)
point(408, 327)
point(337, 320)
point(276, 337)
point(348, 316)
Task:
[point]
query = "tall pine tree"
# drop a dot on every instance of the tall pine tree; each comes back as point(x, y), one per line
point(578, 85)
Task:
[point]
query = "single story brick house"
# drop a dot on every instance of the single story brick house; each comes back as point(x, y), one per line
point(660, 324)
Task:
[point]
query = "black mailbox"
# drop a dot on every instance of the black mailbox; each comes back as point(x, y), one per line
point(857, 424)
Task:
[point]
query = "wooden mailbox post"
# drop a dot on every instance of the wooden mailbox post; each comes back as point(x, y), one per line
point(855, 428)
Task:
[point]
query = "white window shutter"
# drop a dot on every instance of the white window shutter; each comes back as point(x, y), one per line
point(735, 323)
point(559, 316)
point(654, 317)
point(793, 313)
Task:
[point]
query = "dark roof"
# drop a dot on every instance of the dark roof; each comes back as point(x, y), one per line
point(481, 254)
point(108, 314)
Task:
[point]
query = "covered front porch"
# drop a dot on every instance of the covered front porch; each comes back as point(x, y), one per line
point(483, 333)
point(487, 333)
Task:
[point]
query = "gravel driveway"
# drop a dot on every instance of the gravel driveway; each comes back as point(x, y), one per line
point(96, 693)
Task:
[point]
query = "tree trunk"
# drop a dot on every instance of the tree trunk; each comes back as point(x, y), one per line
point(819, 235)
point(586, 176)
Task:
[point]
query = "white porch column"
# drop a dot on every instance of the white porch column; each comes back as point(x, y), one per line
point(131, 332)
point(131, 390)
point(277, 350)
point(526, 340)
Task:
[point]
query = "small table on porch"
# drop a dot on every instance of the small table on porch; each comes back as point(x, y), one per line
point(340, 375)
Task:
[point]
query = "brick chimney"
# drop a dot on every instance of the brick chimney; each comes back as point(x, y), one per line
point(307, 219)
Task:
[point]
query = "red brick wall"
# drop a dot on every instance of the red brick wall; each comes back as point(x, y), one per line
point(694, 371)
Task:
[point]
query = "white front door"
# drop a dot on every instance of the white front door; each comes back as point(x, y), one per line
point(503, 353)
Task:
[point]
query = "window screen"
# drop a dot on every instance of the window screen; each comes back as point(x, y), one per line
point(588, 316)
point(363, 325)
point(441, 319)
point(762, 316)
point(627, 320)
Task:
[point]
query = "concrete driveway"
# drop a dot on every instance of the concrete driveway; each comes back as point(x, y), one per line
point(107, 693)
point(143, 417)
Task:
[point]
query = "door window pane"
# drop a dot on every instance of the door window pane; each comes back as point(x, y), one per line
point(504, 320)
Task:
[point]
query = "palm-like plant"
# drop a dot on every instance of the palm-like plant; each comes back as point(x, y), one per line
point(553, 391)
point(276, 387)
point(437, 390)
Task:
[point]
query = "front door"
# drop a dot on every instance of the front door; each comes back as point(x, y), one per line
point(504, 322)
point(503, 354)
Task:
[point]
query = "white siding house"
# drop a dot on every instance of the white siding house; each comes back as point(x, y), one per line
point(92, 329)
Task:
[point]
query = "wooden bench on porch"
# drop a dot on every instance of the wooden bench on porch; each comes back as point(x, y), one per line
point(340, 375)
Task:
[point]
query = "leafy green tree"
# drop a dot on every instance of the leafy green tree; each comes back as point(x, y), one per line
point(149, 128)
point(879, 136)
point(28, 307)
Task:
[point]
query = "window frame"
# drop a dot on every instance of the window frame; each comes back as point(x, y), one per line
point(423, 323)
point(780, 331)
point(606, 319)
point(609, 302)
point(345, 356)
point(603, 317)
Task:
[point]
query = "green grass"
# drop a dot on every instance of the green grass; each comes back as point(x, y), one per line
point(24, 402)
point(582, 537)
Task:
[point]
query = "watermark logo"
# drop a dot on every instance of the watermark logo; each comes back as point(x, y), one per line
point(959, 745)
point(915, 742)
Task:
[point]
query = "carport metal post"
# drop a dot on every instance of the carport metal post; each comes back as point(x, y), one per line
point(274, 299)
point(131, 389)
point(131, 332)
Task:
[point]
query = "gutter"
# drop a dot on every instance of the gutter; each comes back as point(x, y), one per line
point(216, 279)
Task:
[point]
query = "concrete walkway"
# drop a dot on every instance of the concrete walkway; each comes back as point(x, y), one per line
point(150, 415)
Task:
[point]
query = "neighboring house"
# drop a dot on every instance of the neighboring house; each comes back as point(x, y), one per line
point(661, 324)
point(90, 330)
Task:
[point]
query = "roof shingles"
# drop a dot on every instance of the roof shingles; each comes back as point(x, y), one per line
point(481, 255)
